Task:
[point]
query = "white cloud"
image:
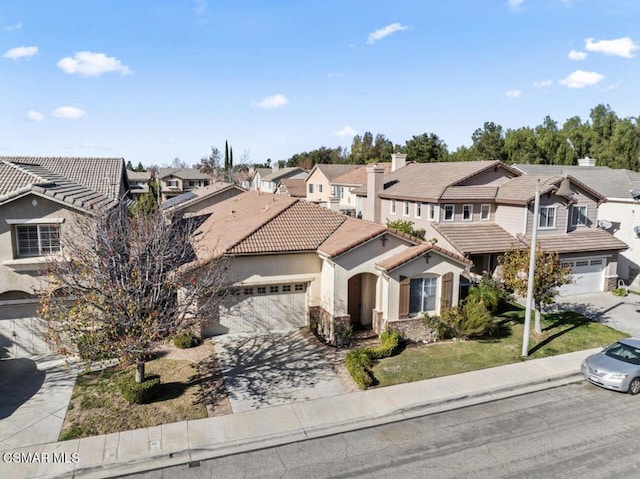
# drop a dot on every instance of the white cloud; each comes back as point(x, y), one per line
point(620, 47)
point(542, 84)
point(17, 26)
point(335, 75)
point(68, 112)
point(515, 3)
point(513, 93)
point(35, 115)
point(581, 79)
point(89, 64)
point(20, 52)
point(346, 132)
point(576, 55)
point(385, 31)
point(200, 7)
point(274, 101)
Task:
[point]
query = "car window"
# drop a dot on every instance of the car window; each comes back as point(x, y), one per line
point(623, 352)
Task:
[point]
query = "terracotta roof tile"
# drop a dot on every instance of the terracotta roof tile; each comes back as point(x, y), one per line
point(459, 193)
point(478, 238)
point(413, 252)
point(358, 176)
point(350, 234)
point(580, 240)
point(332, 171)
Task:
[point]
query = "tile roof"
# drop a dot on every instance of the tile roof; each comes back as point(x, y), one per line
point(331, 171)
point(296, 187)
point(138, 175)
point(522, 189)
point(262, 171)
point(428, 181)
point(610, 182)
point(455, 193)
point(277, 175)
point(395, 261)
point(477, 238)
point(183, 173)
point(358, 176)
point(190, 197)
point(350, 234)
point(579, 240)
point(21, 175)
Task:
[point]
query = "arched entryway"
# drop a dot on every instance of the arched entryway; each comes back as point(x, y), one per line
point(361, 299)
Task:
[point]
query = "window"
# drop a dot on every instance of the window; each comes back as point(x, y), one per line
point(578, 215)
point(392, 207)
point(310, 188)
point(422, 294)
point(467, 212)
point(594, 262)
point(38, 240)
point(172, 183)
point(547, 217)
point(582, 262)
point(448, 212)
point(338, 192)
point(193, 184)
point(485, 212)
point(319, 188)
point(418, 210)
point(299, 287)
point(261, 290)
point(273, 289)
point(432, 212)
point(286, 288)
point(405, 210)
point(248, 291)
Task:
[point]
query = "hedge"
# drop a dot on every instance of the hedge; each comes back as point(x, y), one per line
point(359, 361)
point(139, 393)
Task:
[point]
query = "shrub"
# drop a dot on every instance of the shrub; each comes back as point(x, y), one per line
point(389, 342)
point(358, 363)
point(138, 393)
point(185, 341)
point(342, 334)
point(619, 292)
point(92, 347)
point(476, 321)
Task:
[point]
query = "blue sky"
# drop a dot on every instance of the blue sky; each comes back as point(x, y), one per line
point(151, 80)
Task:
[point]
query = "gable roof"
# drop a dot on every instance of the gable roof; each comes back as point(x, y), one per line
point(183, 173)
point(413, 252)
point(188, 198)
point(428, 181)
point(521, 190)
point(261, 171)
point(82, 183)
point(277, 175)
point(358, 176)
point(138, 175)
point(610, 182)
point(579, 240)
point(478, 238)
point(332, 171)
point(294, 186)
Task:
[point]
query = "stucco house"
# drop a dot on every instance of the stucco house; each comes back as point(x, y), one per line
point(294, 187)
point(138, 183)
point(291, 260)
point(256, 176)
point(482, 208)
point(269, 182)
point(342, 197)
point(189, 203)
point(319, 180)
point(39, 198)
point(619, 215)
point(175, 181)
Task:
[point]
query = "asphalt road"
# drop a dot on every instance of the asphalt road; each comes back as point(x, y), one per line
point(572, 431)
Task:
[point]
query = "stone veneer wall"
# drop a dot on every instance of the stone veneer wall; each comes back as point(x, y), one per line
point(413, 330)
point(611, 283)
point(325, 325)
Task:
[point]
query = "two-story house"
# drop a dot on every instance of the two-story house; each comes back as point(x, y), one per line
point(138, 183)
point(482, 208)
point(269, 182)
point(39, 200)
point(343, 187)
point(319, 181)
point(175, 181)
point(620, 215)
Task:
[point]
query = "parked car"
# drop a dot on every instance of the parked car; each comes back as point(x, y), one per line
point(616, 367)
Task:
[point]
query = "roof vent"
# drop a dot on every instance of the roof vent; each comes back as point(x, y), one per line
point(604, 224)
point(635, 194)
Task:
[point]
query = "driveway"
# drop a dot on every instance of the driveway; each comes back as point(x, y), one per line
point(621, 313)
point(269, 369)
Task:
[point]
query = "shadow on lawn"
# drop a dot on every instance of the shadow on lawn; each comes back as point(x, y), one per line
point(560, 319)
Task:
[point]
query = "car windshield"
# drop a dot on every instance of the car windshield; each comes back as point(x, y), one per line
point(623, 352)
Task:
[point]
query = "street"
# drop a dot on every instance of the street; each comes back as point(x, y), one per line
point(572, 431)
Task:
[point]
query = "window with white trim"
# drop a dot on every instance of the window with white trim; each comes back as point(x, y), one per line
point(431, 215)
point(299, 287)
point(467, 212)
point(418, 209)
point(405, 208)
point(37, 239)
point(172, 183)
point(422, 294)
point(273, 289)
point(319, 188)
point(310, 187)
point(261, 290)
point(485, 212)
point(578, 215)
point(448, 212)
point(547, 217)
point(338, 192)
point(392, 207)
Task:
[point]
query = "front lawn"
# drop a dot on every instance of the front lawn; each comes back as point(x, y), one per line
point(563, 332)
point(97, 407)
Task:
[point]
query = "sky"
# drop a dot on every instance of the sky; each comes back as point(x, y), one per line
point(152, 80)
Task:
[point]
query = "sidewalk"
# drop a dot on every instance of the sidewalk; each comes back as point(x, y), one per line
point(179, 443)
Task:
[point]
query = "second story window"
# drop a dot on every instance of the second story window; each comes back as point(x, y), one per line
point(578, 215)
point(310, 188)
point(418, 210)
point(319, 188)
point(485, 212)
point(405, 208)
point(339, 192)
point(392, 207)
point(448, 212)
point(37, 240)
point(432, 212)
point(467, 212)
point(172, 183)
point(547, 217)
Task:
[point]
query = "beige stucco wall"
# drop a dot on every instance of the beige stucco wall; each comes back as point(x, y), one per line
point(28, 207)
point(489, 178)
point(510, 218)
point(625, 215)
point(317, 178)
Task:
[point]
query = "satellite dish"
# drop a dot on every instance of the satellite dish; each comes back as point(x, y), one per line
point(635, 194)
point(605, 225)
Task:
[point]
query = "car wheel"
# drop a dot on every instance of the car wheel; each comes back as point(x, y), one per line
point(634, 386)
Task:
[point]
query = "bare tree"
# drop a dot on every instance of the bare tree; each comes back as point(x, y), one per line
point(210, 165)
point(129, 280)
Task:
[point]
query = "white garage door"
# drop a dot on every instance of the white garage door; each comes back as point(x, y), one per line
point(587, 275)
point(261, 308)
point(22, 334)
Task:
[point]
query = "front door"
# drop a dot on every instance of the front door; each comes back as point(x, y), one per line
point(353, 302)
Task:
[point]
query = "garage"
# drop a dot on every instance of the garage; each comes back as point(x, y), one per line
point(587, 275)
point(22, 333)
point(249, 309)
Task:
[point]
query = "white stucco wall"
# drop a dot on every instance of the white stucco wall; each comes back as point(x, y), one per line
point(625, 215)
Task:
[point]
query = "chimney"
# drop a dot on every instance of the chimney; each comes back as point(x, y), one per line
point(398, 160)
point(375, 184)
point(586, 161)
point(275, 167)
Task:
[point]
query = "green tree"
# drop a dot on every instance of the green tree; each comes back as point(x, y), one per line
point(549, 275)
point(520, 146)
point(549, 140)
point(426, 148)
point(129, 166)
point(406, 226)
point(488, 142)
point(140, 168)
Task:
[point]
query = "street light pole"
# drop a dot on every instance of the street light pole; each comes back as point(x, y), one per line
point(532, 267)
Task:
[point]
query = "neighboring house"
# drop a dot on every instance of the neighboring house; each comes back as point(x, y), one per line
point(138, 183)
point(319, 180)
point(342, 188)
point(39, 200)
point(269, 182)
point(620, 215)
point(294, 187)
point(256, 177)
point(189, 203)
point(175, 181)
point(290, 259)
point(480, 209)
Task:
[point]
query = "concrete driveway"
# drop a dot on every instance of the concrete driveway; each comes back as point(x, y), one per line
point(621, 313)
point(268, 369)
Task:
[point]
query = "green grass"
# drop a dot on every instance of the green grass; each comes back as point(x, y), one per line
point(97, 406)
point(562, 333)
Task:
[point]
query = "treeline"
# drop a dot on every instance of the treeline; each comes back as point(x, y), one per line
point(612, 140)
